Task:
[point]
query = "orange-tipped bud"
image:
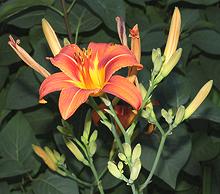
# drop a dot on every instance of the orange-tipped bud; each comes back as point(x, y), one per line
point(199, 98)
point(45, 157)
point(174, 34)
point(26, 57)
point(51, 37)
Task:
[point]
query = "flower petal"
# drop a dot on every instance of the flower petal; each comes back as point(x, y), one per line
point(70, 100)
point(117, 57)
point(66, 62)
point(54, 82)
point(124, 89)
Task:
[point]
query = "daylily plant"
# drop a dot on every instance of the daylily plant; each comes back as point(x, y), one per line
point(84, 73)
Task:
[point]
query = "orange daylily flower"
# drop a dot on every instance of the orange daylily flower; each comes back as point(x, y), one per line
point(90, 73)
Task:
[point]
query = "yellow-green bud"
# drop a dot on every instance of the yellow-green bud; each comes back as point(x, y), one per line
point(113, 169)
point(122, 157)
point(143, 90)
point(199, 98)
point(94, 136)
point(127, 150)
point(75, 150)
point(120, 166)
point(66, 42)
point(92, 148)
point(50, 154)
point(155, 53)
point(136, 153)
point(167, 67)
point(179, 116)
point(135, 170)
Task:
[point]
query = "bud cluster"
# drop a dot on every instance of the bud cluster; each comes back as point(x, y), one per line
point(130, 158)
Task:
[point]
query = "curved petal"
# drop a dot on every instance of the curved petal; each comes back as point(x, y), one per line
point(124, 89)
point(70, 100)
point(54, 82)
point(66, 62)
point(117, 57)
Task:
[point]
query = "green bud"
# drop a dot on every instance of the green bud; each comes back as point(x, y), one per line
point(75, 150)
point(87, 125)
point(56, 155)
point(135, 170)
point(122, 157)
point(127, 150)
point(136, 153)
point(64, 131)
point(157, 65)
point(94, 136)
point(106, 101)
point(167, 67)
point(168, 116)
point(155, 53)
point(92, 148)
point(50, 154)
point(143, 90)
point(113, 169)
point(179, 116)
point(120, 166)
point(66, 42)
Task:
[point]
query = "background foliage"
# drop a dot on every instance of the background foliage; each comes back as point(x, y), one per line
point(190, 163)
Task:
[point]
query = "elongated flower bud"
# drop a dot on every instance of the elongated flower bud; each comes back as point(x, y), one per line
point(135, 48)
point(51, 37)
point(113, 169)
point(199, 98)
point(167, 67)
point(75, 151)
point(174, 33)
point(27, 58)
point(46, 158)
point(135, 170)
point(136, 153)
point(127, 150)
point(179, 116)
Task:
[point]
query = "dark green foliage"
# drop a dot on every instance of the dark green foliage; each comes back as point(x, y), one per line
point(190, 162)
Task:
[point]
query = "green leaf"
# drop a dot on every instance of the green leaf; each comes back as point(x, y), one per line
point(7, 55)
point(4, 71)
point(107, 10)
point(23, 92)
point(174, 156)
point(41, 120)
point(28, 19)
point(83, 17)
point(189, 18)
point(213, 16)
point(154, 38)
point(52, 183)
point(12, 7)
point(207, 40)
point(15, 147)
point(4, 188)
point(196, 2)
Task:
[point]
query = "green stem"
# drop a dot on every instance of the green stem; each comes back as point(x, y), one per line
point(74, 177)
point(160, 149)
point(98, 182)
point(78, 26)
point(133, 189)
point(115, 116)
point(56, 10)
point(207, 180)
point(70, 6)
point(104, 118)
point(67, 24)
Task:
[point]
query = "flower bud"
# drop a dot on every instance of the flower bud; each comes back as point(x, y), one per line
point(92, 148)
point(174, 34)
point(127, 150)
point(50, 154)
point(135, 170)
point(199, 98)
point(113, 169)
point(136, 153)
point(167, 67)
point(122, 157)
point(51, 37)
point(155, 53)
point(94, 136)
point(179, 116)
point(45, 157)
point(75, 151)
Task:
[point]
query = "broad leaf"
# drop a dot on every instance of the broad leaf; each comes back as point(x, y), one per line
point(52, 183)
